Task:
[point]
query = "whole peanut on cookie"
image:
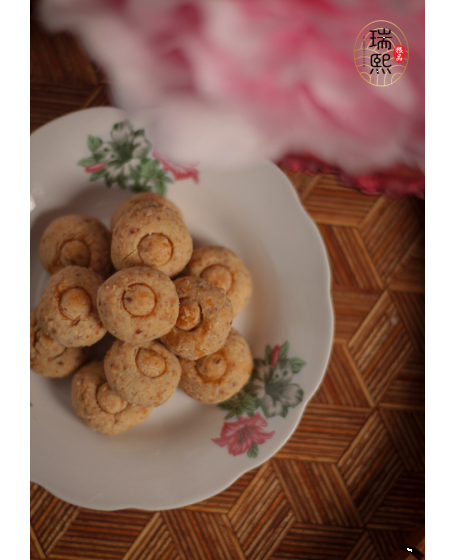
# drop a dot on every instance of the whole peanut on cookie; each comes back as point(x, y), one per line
point(76, 240)
point(138, 304)
point(151, 235)
point(67, 310)
point(217, 377)
point(204, 319)
point(96, 404)
point(145, 375)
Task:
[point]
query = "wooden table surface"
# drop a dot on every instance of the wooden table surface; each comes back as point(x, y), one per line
point(349, 484)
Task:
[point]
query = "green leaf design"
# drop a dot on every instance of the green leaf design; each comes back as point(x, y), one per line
point(98, 174)
point(148, 169)
point(253, 451)
point(161, 189)
point(85, 162)
point(141, 188)
point(240, 403)
point(296, 364)
point(121, 181)
point(268, 354)
point(93, 143)
point(283, 353)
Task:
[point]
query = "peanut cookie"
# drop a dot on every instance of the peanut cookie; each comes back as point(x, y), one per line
point(224, 269)
point(151, 235)
point(138, 304)
point(145, 375)
point(67, 310)
point(148, 197)
point(217, 377)
point(51, 358)
point(76, 240)
point(204, 319)
point(96, 404)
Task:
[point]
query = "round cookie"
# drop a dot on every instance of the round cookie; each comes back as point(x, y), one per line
point(76, 240)
point(96, 404)
point(50, 358)
point(217, 377)
point(224, 269)
point(151, 235)
point(204, 319)
point(145, 375)
point(149, 197)
point(138, 304)
point(67, 310)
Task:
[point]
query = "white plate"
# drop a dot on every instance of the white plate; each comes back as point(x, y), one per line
point(172, 460)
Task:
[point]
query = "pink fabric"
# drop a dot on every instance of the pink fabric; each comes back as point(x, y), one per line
point(228, 81)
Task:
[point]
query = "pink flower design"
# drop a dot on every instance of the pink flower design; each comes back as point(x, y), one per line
point(241, 436)
point(179, 171)
point(95, 167)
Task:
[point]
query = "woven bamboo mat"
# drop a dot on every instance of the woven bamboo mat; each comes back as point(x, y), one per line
point(349, 484)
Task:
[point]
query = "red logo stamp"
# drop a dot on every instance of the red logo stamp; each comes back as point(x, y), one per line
point(399, 52)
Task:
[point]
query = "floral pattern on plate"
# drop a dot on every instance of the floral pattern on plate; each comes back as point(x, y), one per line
point(270, 388)
point(125, 160)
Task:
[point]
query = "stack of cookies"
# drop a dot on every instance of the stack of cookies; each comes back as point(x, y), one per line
point(170, 309)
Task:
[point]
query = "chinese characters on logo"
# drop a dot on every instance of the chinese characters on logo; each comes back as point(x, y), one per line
point(378, 61)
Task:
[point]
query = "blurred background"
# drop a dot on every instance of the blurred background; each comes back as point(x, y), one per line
point(228, 82)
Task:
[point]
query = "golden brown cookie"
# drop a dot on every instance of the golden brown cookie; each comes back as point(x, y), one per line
point(224, 269)
point(96, 404)
point(151, 235)
point(76, 240)
point(148, 197)
point(145, 375)
point(217, 377)
point(51, 358)
point(138, 304)
point(204, 319)
point(67, 310)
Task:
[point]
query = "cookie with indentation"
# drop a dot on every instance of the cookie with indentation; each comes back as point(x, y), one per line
point(204, 319)
point(151, 235)
point(218, 376)
point(67, 310)
point(148, 197)
point(138, 304)
point(51, 359)
point(145, 375)
point(76, 240)
point(96, 404)
point(225, 269)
